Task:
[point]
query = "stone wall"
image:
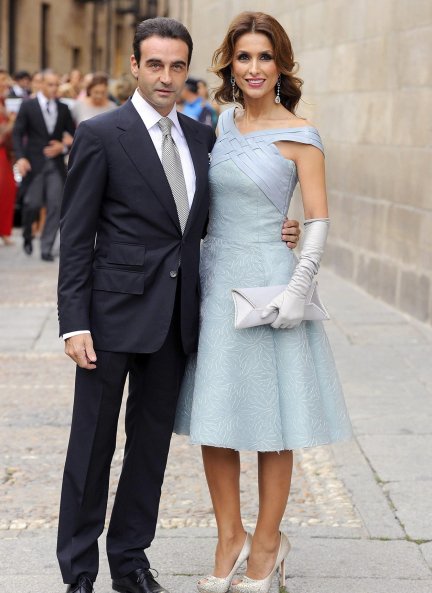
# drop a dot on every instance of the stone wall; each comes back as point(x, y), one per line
point(368, 87)
point(71, 26)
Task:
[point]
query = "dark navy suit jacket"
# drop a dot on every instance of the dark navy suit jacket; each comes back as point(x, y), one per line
point(121, 241)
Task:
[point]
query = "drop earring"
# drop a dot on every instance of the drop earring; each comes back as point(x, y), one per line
point(233, 85)
point(277, 98)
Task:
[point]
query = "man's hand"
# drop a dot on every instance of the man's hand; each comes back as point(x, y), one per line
point(80, 349)
point(291, 233)
point(53, 149)
point(23, 166)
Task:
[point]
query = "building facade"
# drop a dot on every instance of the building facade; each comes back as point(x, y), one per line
point(64, 34)
point(368, 88)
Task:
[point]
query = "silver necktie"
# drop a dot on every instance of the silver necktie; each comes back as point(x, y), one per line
point(174, 172)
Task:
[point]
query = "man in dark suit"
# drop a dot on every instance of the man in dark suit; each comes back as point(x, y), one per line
point(123, 236)
point(134, 211)
point(38, 144)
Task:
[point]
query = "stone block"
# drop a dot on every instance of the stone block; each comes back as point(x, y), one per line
point(427, 552)
point(388, 281)
point(403, 233)
point(410, 114)
point(413, 14)
point(425, 241)
point(414, 50)
point(378, 18)
point(313, 70)
point(340, 258)
point(399, 458)
point(377, 276)
point(415, 518)
point(414, 296)
point(409, 184)
point(354, 118)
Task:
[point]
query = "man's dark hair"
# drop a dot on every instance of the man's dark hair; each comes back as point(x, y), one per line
point(192, 85)
point(161, 27)
point(21, 74)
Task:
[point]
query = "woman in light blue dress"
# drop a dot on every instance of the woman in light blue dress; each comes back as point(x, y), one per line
point(272, 388)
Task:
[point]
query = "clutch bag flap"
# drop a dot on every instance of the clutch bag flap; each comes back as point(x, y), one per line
point(250, 302)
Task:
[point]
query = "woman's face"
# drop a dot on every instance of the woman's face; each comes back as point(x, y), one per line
point(253, 65)
point(98, 94)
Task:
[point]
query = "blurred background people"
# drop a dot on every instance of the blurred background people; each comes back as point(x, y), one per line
point(193, 105)
point(97, 100)
point(76, 80)
point(36, 84)
point(203, 92)
point(7, 181)
point(122, 89)
point(21, 85)
point(39, 148)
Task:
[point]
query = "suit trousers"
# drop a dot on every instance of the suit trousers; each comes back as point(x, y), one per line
point(44, 190)
point(154, 384)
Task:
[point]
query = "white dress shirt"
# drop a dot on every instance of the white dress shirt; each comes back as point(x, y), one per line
point(150, 118)
point(51, 116)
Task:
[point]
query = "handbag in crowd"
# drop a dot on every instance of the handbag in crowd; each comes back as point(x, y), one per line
point(250, 303)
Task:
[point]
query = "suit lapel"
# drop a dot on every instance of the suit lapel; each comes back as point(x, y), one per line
point(139, 147)
point(58, 124)
point(39, 116)
point(200, 161)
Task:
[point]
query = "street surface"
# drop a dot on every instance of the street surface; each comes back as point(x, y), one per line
point(359, 516)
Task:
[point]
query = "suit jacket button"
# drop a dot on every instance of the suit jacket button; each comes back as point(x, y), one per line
point(173, 274)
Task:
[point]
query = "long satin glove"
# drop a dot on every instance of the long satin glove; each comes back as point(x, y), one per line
point(291, 302)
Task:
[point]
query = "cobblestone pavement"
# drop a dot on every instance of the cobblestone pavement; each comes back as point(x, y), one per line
point(36, 390)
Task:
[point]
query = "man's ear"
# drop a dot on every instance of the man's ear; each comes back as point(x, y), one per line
point(134, 66)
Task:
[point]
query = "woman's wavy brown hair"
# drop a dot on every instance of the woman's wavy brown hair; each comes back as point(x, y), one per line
point(258, 22)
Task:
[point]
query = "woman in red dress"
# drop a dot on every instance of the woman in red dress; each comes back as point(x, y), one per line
point(7, 182)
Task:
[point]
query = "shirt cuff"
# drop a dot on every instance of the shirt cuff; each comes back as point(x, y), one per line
point(77, 333)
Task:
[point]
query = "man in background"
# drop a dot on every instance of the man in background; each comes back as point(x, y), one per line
point(39, 149)
point(194, 106)
point(21, 86)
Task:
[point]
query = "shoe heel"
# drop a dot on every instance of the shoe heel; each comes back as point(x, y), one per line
point(282, 577)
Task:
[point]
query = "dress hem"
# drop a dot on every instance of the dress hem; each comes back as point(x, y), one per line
point(343, 439)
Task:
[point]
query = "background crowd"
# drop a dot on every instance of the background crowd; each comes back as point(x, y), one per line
point(27, 202)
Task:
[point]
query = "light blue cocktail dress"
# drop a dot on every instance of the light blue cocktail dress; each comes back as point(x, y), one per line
point(259, 389)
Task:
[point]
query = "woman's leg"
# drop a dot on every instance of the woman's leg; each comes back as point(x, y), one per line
point(222, 469)
point(274, 478)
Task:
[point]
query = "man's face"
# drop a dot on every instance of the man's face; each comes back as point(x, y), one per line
point(50, 85)
point(24, 83)
point(162, 71)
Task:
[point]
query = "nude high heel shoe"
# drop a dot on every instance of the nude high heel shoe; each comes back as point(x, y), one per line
point(212, 584)
point(248, 585)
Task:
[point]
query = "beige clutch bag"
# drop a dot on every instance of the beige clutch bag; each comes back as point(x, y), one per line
point(250, 302)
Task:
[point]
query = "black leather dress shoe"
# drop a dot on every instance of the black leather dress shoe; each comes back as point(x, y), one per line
point(138, 581)
point(84, 585)
point(47, 257)
point(28, 247)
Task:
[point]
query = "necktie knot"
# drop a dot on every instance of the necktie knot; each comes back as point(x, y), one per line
point(165, 125)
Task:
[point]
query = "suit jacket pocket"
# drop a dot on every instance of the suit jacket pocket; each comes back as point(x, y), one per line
point(126, 254)
point(118, 281)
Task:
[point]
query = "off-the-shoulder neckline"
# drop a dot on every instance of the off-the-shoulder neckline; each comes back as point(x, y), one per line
point(267, 130)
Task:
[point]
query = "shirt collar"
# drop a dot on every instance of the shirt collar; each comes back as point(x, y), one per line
point(150, 116)
point(44, 101)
